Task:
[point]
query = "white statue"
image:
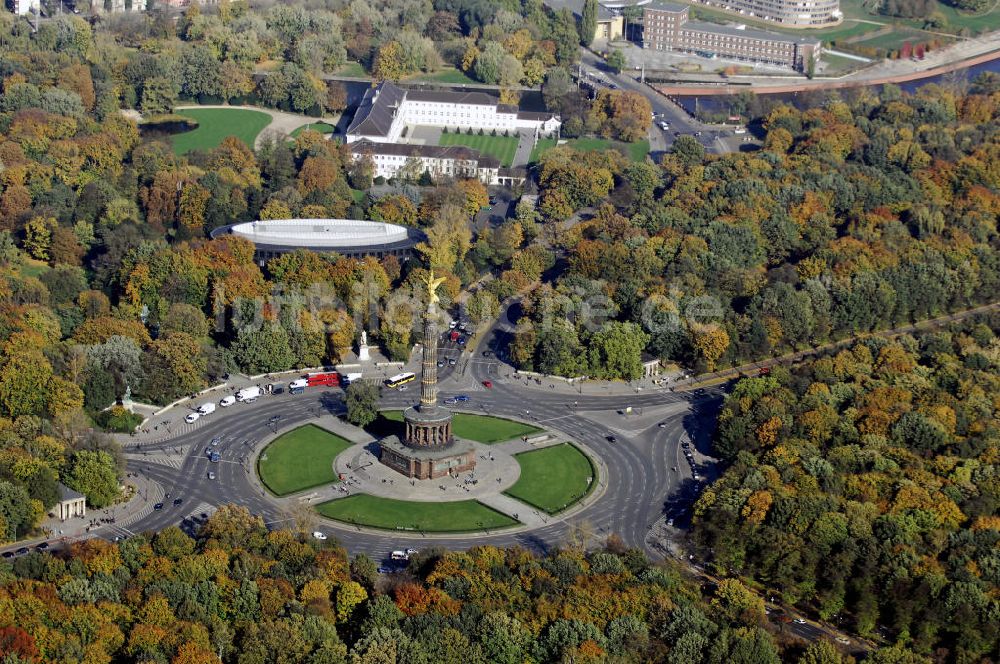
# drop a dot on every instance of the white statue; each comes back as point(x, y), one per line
point(363, 355)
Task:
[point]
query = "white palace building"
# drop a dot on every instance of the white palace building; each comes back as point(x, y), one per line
point(387, 110)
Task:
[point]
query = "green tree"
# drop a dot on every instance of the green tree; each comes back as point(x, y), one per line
point(505, 640)
point(263, 350)
point(15, 511)
point(362, 402)
point(94, 474)
point(688, 150)
point(616, 60)
point(588, 22)
point(616, 350)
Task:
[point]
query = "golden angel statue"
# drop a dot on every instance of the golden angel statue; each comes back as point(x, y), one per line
point(432, 285)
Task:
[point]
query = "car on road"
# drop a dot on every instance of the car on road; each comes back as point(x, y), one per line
point(452, 361)
point(226, 402)
point(42, 546)
point(453, 324)
point(462, 398)
point(843, 640)
point(214, 458)
point(686, 445)
point(662, 425)
point(611, 439)
point(449, 402)
point(22, 551)
point(440, 363)
point(487, 353)
point(211, 475)
point(799, 621)
point(158, 506)
point(670, 522)
point(677, 134)
point(385, 570)
point(319, 535)
point(401, 388)
point(216, 440)
point(191, 418)
point(411, 552)
point(488, 384)
point(178, 501)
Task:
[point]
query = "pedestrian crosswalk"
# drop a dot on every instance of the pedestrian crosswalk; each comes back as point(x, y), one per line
point(169, 460)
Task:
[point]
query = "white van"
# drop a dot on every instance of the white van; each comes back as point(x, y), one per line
point(399, 555)
point(225, 402)
point(739, 130)
point(298, 383)
point(248, 394)
point(206, 408)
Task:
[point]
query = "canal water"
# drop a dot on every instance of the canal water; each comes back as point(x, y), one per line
point(723, 103)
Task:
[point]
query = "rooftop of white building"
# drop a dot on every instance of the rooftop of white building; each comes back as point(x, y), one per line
point(321, 233)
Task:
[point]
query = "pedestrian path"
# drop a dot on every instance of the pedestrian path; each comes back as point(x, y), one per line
point(514, 508)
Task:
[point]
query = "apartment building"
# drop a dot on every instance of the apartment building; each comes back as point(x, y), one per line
point(667, 27)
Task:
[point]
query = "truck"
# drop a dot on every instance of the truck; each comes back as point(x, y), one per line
point(348, 378)
point(206, 408)
point(248, 394)
point(323, 379)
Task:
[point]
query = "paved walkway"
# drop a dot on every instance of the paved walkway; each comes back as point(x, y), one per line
point(525, 144)
point(282, 124)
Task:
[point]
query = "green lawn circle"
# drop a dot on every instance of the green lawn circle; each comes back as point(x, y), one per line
point(553, 478)
point(415, 516)
point(300, 459)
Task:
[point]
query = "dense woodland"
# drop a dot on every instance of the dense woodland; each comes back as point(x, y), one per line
point(250, 596)
point(859, 214)
point(865, 486)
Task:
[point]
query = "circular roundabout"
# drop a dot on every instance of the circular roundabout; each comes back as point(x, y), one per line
point(522, 476)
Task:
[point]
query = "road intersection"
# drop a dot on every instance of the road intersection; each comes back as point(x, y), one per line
point(639, 482)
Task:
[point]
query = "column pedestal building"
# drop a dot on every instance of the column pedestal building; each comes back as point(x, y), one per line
point(428, 450)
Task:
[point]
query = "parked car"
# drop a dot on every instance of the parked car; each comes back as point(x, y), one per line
point(225, 402)
point(462, 397)
point(42, 546)
point(216, 440)
point(178, 501)
point(211, 475)
point(488, 384)
point(158, 506)
point(206, 408)
point(799, 621)
point(318, 535)
point(192, 418)
point(22, 551)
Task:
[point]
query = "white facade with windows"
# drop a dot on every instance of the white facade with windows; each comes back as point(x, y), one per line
point(387, 109)
point(441, 162)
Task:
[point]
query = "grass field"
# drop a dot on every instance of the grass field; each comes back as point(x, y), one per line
point(352, 69)
point(461, 516)
point(358, 195)
point(836, 64)
point(449, 75)
point(636, 151)
point(300, 459)
point(33, 268)
point(553, 478)
point(214, 124)
point(321, 127)
point(894, 40)
point(501, 147)
point(480, 428)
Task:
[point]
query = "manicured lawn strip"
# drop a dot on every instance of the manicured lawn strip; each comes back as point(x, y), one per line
point(321, 127)
point(480, 428)
point(215, 124)
point(501, 147)
point(451, 517)
point(895, 39)
point(300, 459)
point(352, 69)
point(636, 151)
point(449, 75)
point(552, 478)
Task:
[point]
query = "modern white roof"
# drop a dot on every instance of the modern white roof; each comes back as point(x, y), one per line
point(326, 233)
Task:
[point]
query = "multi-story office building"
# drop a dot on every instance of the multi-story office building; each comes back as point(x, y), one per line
point(666, 27)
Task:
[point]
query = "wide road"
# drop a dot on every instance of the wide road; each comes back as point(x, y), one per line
point(640, 482)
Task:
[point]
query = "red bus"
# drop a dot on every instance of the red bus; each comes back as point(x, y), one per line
point(323, 379)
